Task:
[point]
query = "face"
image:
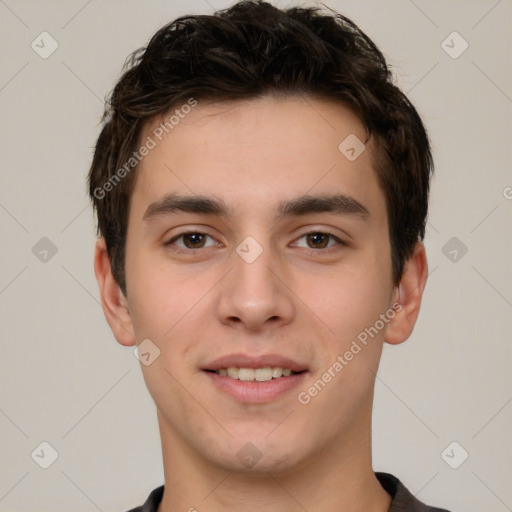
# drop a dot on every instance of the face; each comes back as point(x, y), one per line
point(275, 255)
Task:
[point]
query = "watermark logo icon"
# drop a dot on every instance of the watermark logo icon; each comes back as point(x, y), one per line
point(249, 455)
point(44, 45)
point(249, 250)
point(146, 352)
point(351, 147)
point(454, 249)
point(44, 250)
point(454, 455)
point(454, 45)
point(44, 455)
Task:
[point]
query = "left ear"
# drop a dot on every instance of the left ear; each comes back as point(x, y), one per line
point(409, 294)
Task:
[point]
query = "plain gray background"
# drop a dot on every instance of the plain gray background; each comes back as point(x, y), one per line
point(66, 381)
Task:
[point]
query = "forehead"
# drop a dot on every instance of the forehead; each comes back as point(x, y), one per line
point(256, 152)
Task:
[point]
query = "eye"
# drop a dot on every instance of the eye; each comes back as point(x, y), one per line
point(319, 240)
point(191, 240)
point(315, 240)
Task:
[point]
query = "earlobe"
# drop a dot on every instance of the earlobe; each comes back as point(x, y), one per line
point(409, 294)
point(114, 302)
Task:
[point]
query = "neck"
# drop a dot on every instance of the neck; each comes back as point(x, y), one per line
point(339, 478)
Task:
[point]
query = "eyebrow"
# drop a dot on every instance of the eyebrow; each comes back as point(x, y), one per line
point(302, 205)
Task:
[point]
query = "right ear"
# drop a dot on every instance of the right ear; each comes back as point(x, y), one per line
point(115, 306)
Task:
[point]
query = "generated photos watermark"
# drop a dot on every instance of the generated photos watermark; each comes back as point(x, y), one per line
point(150, 143)
point(304, 397)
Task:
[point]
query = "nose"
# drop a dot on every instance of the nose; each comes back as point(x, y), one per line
point(256, 294)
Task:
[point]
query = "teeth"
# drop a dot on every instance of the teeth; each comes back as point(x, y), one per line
point(246, 374)
point(233, 372)
point(260, 374)
point(277, 372)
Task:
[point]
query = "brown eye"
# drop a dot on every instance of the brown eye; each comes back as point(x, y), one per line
point(194, 240)
point(189, 240)
point(318, 240)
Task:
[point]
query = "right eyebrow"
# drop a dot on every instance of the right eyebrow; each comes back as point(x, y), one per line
point(172, 203)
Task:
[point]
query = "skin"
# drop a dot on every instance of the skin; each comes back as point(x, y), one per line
point(299, 299)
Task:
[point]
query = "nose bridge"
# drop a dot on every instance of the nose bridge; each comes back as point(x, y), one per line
point(253, 293)
point(253, 281)
point(253, 262)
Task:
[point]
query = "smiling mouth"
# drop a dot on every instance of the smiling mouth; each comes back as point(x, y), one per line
point(264, 374)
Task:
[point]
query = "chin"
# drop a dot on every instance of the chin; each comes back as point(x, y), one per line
point(258, 455)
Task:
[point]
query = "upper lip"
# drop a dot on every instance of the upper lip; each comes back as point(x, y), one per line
point(246, 361)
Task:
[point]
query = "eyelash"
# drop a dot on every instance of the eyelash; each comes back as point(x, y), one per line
point(315, 252)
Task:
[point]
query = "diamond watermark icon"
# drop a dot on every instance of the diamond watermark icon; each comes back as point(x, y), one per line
point(351, 147)
point(454, 45)
point(454, 455)
point(44, 250)
point(249, 455)
point(146, 352)
point(454, 249)
point(249, 250)
point(44, 455)
point(44, 45)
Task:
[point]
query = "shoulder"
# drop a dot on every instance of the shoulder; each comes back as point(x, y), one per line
point(402, 499)
point(152, 503)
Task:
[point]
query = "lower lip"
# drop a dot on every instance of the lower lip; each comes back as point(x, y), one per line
point(255, 392)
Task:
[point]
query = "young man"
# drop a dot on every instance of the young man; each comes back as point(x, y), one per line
point(261, 189)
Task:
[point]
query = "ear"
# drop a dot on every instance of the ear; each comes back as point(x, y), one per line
point(408, 295)
point(114, 302)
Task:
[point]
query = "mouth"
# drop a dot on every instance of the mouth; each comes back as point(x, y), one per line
point(255, 379)
point(264, 374)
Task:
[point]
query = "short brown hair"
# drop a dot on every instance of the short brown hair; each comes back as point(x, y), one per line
point(247, 51)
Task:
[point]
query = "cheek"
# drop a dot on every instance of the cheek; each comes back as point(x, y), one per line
point(348, 300)
point(174, 309)
point(351, 305)
point(149, 309)
point(158, 295)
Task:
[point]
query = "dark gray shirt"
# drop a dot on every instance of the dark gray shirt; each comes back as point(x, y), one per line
point(402, 499)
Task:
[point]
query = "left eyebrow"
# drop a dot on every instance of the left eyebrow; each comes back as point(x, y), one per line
point(335, 203)
point(299, 206)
